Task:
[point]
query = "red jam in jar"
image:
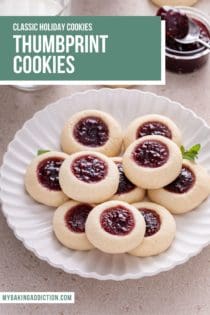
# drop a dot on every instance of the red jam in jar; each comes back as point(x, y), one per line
point(183, 58)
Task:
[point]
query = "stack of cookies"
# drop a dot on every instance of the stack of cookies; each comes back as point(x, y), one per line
point(99, 182)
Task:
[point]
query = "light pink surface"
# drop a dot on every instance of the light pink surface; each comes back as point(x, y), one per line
point(182, 291)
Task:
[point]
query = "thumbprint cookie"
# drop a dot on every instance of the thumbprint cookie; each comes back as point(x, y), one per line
point(69, 225)
point(92, 130)
point(115, 227)
point(148, 125)
point(160, 229)
point(89, 176)
point(126, 190)
point(152, 162)
point(190, 188)
point(42, 179)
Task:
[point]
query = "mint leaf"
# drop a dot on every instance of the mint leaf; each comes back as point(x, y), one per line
point(195, 148)
point(192, 153)
point(41, 151)
point(182, 149)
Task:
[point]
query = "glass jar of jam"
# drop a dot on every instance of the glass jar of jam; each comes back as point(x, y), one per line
point(185, 58)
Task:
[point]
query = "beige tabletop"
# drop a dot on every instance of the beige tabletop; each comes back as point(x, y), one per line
point(184, 290)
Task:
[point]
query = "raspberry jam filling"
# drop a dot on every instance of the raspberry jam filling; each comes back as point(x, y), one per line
point(91, 131)
point(48, 173)
point(152, 220)
point(183, 182)
point(177, 26)
point(153, 128)
point(151, 153)
point(125, 185)
point(76, 217)
point(117, 220)
point(89, 168)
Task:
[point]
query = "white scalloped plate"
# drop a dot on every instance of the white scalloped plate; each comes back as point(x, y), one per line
point(31, 222)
